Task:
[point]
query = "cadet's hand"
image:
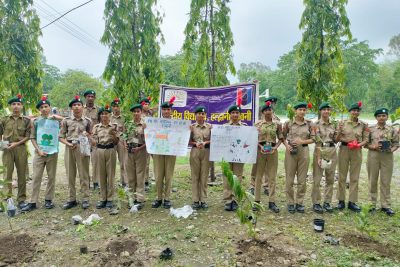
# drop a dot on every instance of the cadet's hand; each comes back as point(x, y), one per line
point(12, 145)
point(135, 150)
point(85, 133)
point(289, 148)
point(200, 145)
point(71, 146)
point(41, 153)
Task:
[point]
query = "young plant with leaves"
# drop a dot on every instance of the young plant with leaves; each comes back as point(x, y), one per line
point(364, 224)
point(245, 201)
point(320, 58)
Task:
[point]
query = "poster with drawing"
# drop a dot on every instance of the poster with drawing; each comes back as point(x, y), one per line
point(47, 135)
point(234, 143)
point(167, 136)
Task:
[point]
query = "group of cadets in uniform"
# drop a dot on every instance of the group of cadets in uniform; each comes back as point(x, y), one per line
point(109, 137)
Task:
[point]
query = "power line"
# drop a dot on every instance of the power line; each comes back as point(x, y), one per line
point(66, 14)
point(77, 26)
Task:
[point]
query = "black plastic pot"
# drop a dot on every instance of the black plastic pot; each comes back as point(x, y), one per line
point(319, 225)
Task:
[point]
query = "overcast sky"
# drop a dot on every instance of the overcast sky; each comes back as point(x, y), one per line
point(263, 30)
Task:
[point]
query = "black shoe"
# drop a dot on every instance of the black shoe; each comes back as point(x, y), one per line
point(266, 191)
point(196, 205)
point(139, 205)
point(291, 209)
point(255, 206)
point(167, 204)
point(85, 204)
point(156, 203)
point(272, 206)
point(70, 205)
point(388, 211)
point(327, 207)
point(299, 208)
point(204, 205)
point(109, 204)
point(353, 207)
point(96, 186)
point(228, 206)
point(101, 204)
point(234, 205)
point(341, 205)
point(48, 204)
point(29, 207)
point(251, 190)
point(318, 209)
point(22, 204)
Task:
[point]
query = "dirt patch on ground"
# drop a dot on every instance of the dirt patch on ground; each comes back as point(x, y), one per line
point(270, 251)
point(364, 243)
point(121, 251)
point(16, 248)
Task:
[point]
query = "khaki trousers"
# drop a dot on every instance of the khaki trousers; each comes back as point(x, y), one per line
point(296, 165)
point(380, 164)
point(147, 170)
point(237, 169)
point(349, 160)
point(18, 156)
point(329, 177)
point(199, 165)
point(93, 158)
point(164, 170)
point(75, 163)
point(135, 166)
point(121, 152)
point(106, 160)
point(266, 164)
point(253, 176)
point(39, 164)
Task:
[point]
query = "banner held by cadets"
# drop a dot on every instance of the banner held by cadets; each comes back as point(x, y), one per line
point(217, 101)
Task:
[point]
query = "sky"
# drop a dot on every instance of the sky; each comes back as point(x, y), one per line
point(263, 30)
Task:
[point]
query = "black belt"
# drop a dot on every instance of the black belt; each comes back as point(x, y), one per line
point(304, 145)
point(344, 143)
point(263, 143)
point(134, 145)
point(108, 146)
point(73, 141)
point(330, 144)
point(205, 146)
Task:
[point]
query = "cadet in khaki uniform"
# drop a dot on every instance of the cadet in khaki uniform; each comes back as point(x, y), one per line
point(270, 137)
point(136, 158)
point(383, 141)
point(71, 128)
point(236, 168)
point(273, 100)
point(15, 129)
point(325, 136)
point(353, 134)
point(299, 134)
point(91, 111)
point(164, 166)
point(199, 157)
point(146, 112)
point(42, 160)
point(105, 137)
point(121, 151)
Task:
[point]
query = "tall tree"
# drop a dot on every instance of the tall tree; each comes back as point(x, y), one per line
point(51, 76)
point(132, 31)
point(394, 46)
point(208, 44)
point(320, 60)
point(20, 53)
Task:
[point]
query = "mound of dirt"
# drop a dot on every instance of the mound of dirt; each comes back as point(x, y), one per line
point(16, 248)
point(272, 251)
point(364, 243)
point(121, 251)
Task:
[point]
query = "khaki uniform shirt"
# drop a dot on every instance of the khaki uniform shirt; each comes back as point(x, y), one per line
point(269, 131)
point(91, 113)
point(119, 121)
point(105, 134)
point(354, 131)
point(325, 132)
point(72, 127)
point(15, 129)
point(302, 130)
point(137, 135)
point(148, 113)
point(385, 133)
point(200, 133)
